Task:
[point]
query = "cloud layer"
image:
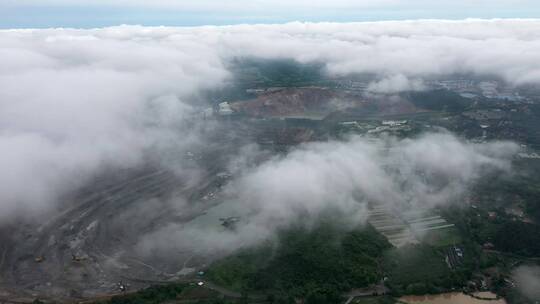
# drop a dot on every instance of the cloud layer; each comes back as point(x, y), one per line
point(75, 101)
point(527, 280)
point(336, 177)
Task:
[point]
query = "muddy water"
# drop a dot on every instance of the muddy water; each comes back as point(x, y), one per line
point(452, 298)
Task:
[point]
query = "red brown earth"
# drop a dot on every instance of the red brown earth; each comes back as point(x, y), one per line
point(321, 101)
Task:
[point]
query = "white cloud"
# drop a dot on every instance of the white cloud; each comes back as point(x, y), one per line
point(73, 101)
point(394, 84)
point(342, 177)
point(503, 48)
point(527, 280)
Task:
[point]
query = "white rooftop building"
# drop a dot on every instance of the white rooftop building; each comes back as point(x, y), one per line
point(225, 108)
point(393, 123)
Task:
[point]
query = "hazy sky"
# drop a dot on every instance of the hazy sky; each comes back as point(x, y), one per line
point(97, 13)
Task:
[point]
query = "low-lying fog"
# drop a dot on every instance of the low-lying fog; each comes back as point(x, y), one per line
point(76, 102)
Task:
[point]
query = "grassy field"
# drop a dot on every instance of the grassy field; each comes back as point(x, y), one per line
point(415, 264)
point(235, 271)
point(442, 238)
point(306, 261)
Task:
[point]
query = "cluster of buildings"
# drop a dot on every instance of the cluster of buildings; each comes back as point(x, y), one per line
point(489, 114)
point(470, 89)
point(454, 257)
point(531, 155)
point(394, 123)
point(390, 126)
point(460, 85)
point(378, 127)
point(222, 109)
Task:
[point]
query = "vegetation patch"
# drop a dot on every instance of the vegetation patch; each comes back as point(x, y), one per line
point(374, 300)
point(442, 238)
point(314, 263)
point(417, 269)
point(151, 295)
